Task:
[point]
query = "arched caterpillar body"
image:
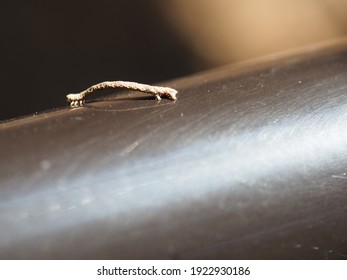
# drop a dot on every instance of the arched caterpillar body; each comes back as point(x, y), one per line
point(77, 99)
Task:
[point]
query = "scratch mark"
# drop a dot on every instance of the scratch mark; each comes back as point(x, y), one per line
point(131, 147)
point(342, 176)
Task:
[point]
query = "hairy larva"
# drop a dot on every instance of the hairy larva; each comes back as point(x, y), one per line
point(77, 99)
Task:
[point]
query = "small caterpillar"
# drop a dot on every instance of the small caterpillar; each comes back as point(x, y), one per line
point(77, 99)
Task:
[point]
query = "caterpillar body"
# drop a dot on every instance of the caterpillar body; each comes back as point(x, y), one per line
point(77, 99)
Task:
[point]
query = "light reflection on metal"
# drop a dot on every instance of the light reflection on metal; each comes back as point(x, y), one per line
point(205, 167)
point(249, 162)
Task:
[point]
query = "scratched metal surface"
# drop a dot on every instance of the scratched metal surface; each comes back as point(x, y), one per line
point(249, 163)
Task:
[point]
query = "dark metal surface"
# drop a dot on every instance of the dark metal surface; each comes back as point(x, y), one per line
point(250, 162)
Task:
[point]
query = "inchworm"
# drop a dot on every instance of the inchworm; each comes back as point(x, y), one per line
point(77, 99)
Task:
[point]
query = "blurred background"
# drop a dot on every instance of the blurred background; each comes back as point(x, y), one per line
point(51, 48)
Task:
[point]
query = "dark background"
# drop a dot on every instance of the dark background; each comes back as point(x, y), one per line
point(51, 48)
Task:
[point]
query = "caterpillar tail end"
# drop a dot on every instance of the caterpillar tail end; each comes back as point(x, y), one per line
point(172, 94)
